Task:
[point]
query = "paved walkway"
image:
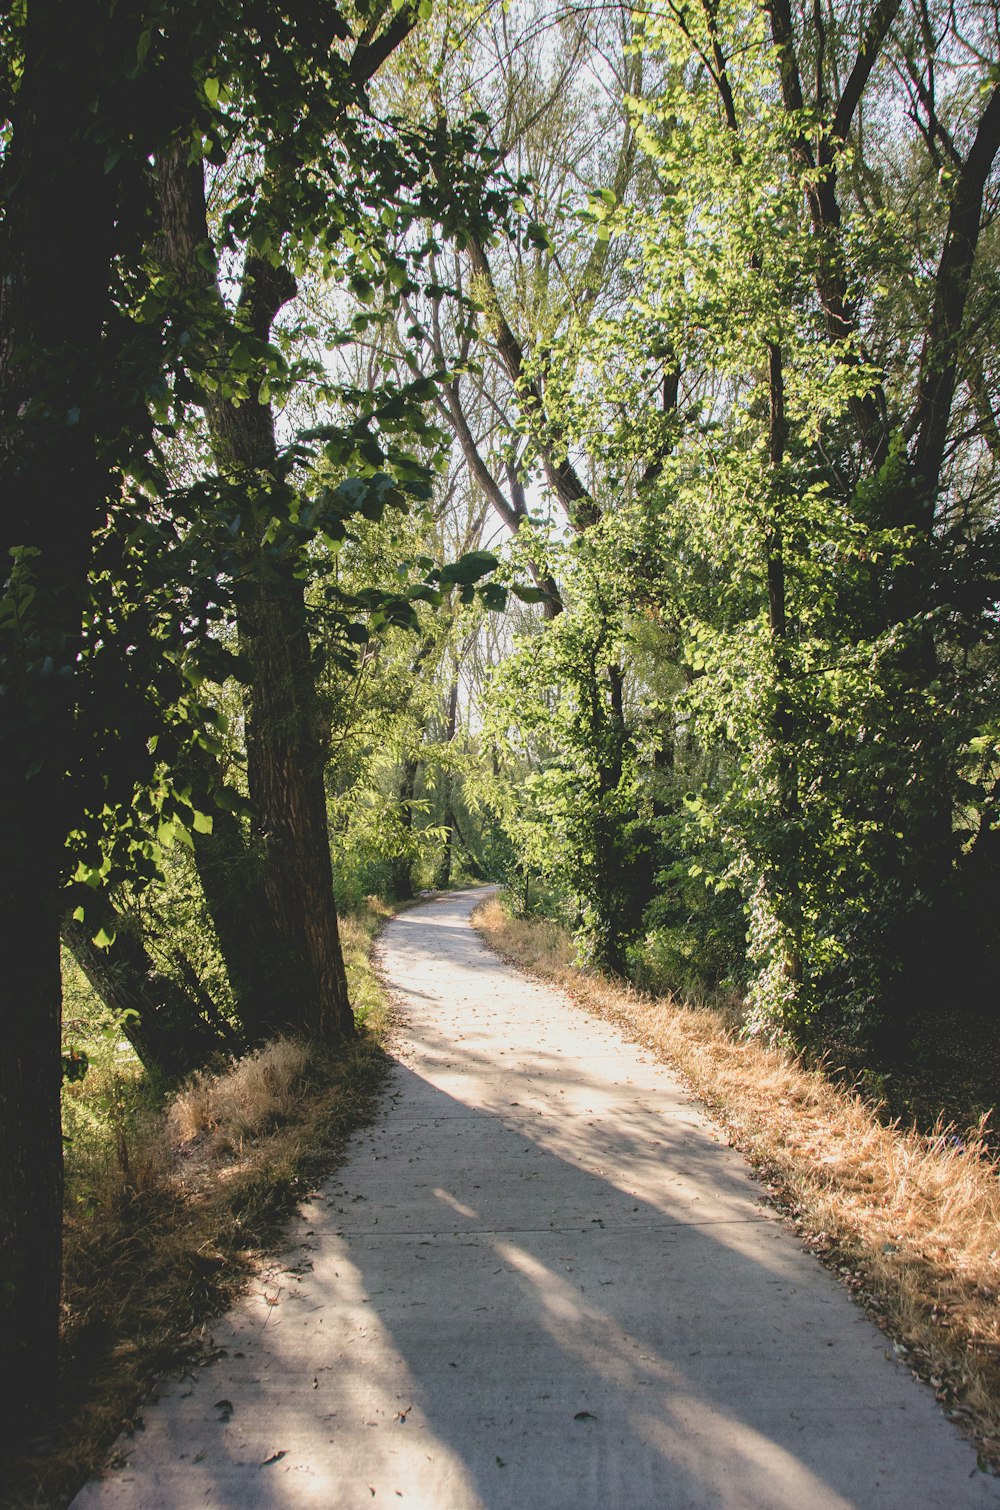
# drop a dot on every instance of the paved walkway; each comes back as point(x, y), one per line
point(542, 1281)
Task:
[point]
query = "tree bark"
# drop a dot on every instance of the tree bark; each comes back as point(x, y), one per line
point(867, 409)
point(31, 1175)
point(939, 361)
point(783, 726)
point(55, 255)
point(286, 759)
point(443, 877)
point(513, 513)
point(230, 872)
point(561, 475)
point(285, 733)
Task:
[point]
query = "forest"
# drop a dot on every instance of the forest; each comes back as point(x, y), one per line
point(541, 443)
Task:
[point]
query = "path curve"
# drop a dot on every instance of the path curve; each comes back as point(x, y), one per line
point(541, 1281)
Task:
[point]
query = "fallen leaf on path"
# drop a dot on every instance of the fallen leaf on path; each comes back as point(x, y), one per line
point(275, 1457)
point(585, 1415)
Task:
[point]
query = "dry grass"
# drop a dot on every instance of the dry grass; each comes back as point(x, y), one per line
point(168, 1215)
point(258, 1093)
point(911, 1223)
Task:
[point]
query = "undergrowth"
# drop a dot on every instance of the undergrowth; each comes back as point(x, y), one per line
point(910, 1220)
point(172, 1198)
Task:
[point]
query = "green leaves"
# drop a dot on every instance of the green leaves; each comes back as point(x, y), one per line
point(468, 568)
point(367, 496)
point(537, 236)
point(75, 1064)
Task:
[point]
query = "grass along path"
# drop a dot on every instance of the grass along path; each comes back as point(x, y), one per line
point(538, 1279)
point(911, 1223)
point(176, 1213)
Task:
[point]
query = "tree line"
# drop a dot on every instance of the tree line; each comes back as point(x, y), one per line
point(520, 442)
point(752, 361)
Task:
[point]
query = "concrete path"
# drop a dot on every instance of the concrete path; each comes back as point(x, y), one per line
point(542, 1281)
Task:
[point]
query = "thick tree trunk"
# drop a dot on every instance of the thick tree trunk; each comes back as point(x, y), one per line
point(31, 1179)
point(286, 758)
point(286, 739)
point(230, 872)
point(173, 1033)
point(55, 253)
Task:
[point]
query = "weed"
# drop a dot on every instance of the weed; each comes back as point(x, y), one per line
point(256, 1094)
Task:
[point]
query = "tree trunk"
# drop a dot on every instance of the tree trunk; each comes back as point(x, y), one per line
point(443, 877)
point(782, 721)
point(402, 867)
point(55, 252)
point(286, 738)
point(173, 1032)
point(286, 758)
point(472, 859)
point(230, 872)
point(31, 1177)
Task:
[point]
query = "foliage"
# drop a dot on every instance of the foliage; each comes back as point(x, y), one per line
point(700, 304)
point(572, 802)
point(823, 764)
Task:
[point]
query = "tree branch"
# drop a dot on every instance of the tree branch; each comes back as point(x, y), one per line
point(514, 513)
point(561, 476)
point(939, 358)
point(371, 51)
point(869, 409)
point(875, 34)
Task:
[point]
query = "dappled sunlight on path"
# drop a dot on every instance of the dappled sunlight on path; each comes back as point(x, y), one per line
point(542, 1279)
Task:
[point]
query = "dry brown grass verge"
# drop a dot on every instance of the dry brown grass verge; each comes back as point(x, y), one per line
point(193, 1197)
point(911, 1223)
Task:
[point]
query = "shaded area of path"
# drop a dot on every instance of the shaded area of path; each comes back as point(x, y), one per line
point(540, 1281)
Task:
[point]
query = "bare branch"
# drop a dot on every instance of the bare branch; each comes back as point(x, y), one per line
point(561, 475)
point(939, 358)
point(871, 45)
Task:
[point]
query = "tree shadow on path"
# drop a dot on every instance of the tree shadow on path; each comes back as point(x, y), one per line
point(541, 1282)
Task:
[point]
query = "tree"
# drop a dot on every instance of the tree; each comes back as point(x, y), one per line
point(99, 357)
point(323, 172)
point(784, 407)
point(80, 113)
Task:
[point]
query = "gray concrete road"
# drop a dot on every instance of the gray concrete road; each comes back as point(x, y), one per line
point(542, 1281)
